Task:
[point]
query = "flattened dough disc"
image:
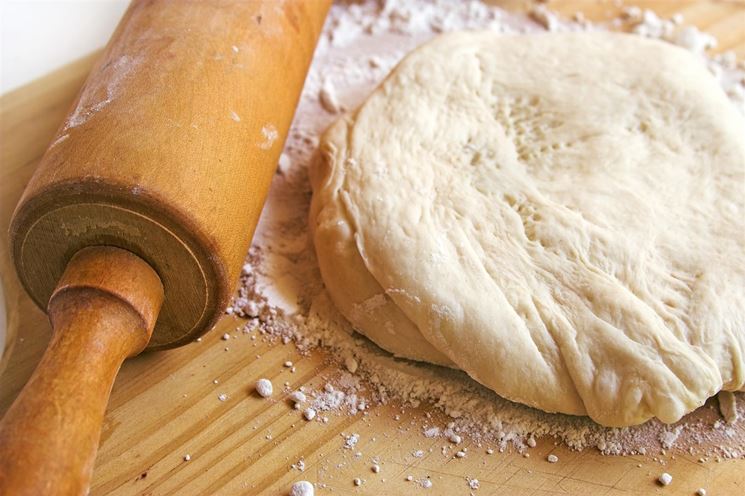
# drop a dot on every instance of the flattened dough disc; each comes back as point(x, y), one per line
point(559, 215)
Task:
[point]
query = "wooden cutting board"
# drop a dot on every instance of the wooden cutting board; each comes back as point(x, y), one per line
point(163, 407)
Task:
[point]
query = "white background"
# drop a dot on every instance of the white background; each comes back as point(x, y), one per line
point(39, 36)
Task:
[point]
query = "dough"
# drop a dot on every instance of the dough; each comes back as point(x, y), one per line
point(558, 215)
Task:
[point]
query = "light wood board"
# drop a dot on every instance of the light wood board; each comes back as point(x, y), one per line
point(164, 405)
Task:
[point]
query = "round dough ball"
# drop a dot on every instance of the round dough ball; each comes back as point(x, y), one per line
point(558, 215)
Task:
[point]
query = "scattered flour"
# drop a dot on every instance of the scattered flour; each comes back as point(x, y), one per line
point(546, 18)
point(302, 488)
point(264, 388)
point(297, 397)
point(91, 99)
point(665, 479)
point(668, 437)
point(270, 135)
point(327, 98)
point(300, 465)
point(309, 414)
point(281, 296)
point(432, 432)
point(351, 441)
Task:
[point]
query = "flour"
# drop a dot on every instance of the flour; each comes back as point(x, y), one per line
point(281, 295)
point(264, 388)
point(309, 414)
point(668, 437)
point(92, 101)
point(648, 24)
point(302, 488)
point(327, 98)
point(270, 134)
point(665, 479)
point(724, 67)
point(297, 397)
point(351, 441)
point(545, 18)
point(432, 432)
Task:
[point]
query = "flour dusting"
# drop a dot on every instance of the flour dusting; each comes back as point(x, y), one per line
point(282, 297)
point(92, 101)
point(270, 135)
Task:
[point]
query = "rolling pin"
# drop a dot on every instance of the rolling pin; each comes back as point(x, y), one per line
point(134, 227)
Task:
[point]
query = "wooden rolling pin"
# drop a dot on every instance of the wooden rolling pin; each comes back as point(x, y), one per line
point(135, 225)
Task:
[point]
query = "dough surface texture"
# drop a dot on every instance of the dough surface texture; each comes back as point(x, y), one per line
point(561, 216)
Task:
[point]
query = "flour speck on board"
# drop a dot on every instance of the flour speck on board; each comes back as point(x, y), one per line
point(351, 441)
point(297, 397)
point(665, 479)
point(302, 488)
point(264, 388)
point(309, 414)
point(282, 298)
point(668, 437)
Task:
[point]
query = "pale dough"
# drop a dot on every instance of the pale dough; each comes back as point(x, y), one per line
point(559, 215)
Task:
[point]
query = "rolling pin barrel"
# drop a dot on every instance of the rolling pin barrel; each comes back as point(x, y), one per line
point(134, 227)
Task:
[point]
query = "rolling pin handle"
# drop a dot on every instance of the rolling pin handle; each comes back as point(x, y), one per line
point(103, 310)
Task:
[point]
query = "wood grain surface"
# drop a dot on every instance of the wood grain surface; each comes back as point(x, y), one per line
point(164, 405)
